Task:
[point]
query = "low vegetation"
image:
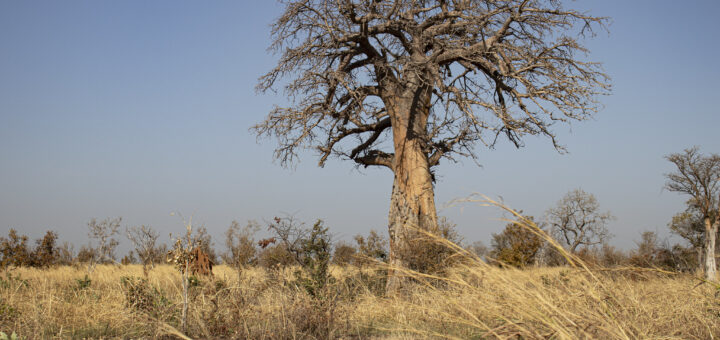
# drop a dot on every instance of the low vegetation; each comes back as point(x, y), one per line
point(308, 296)
point(534, 282)
point(471, 301)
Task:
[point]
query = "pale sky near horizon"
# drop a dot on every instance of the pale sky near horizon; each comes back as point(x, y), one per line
point(139, 109)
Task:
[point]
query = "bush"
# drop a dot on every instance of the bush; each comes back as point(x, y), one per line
point(46, 253)
point(372, 248)
point(140, 296)
point(315, 253)
point(240, 243)
point(86, 254)
point(430, 253)
point(275, 256)
point(516, 246)
point(14, 250)
point(82, 284)
point(344, 254)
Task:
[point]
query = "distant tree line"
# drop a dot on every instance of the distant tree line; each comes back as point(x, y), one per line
point(575, 224)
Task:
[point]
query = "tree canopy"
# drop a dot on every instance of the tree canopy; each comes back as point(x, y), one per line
point(480, 68)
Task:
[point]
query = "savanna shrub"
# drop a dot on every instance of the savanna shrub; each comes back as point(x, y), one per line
point(275, 256)
point(140, 296)
point(516, 245)
point(315, 253)
point(372, 248)
point(344, 254)
point(84, 283)
point(431, 253)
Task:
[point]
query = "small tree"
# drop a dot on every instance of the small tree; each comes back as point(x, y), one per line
point(316, 249)
point(516, 245)
point(374, 247)
point(87, 255)
point(479, 249)
point(647, 249)
point(181, 255)
point(344, 254)
point(14, 250)
point(103, 233)
point(240, 244)
point(66, 253)
point(144, 238)
point(290, 235)
point(576, 221)
point(690, 226)
point(46, 252)
point(161, 253)
point(698, 176)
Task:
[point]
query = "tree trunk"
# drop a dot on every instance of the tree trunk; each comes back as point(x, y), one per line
point(412, 202)
point(711, 230)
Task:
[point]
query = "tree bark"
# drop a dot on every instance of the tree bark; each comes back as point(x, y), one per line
point(412, 202)
point(711, 229)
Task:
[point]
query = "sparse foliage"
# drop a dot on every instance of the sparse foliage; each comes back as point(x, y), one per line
point(374, 247)
point(689, 225)
point(290, 235)
point(479, 249)
point(405, 84)
point(344, 254)
point(103, 232)
point(698, 176)
point(66, 253)
point(181, 256)
point(144, 239)
point(577, 222)
point(647, 249)
point(240, 244)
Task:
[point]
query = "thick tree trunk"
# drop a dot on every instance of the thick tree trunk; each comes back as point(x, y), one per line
point(412, 203)
point(711, 230)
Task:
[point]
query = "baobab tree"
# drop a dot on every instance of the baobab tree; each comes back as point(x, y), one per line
point(404, 84)
point(698, 176)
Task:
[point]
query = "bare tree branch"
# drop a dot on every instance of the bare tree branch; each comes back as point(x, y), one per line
point(511, 68)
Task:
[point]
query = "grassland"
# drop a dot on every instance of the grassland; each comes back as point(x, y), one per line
point(470, 302)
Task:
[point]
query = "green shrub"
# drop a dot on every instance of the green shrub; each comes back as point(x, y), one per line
point(315, 253)
point(84, 283)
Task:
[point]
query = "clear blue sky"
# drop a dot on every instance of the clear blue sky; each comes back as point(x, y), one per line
point(138, 109)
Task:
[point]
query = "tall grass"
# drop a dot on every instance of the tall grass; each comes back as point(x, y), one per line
point(472, 300)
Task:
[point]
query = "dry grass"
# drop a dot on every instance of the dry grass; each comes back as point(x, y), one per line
point(472, 302)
